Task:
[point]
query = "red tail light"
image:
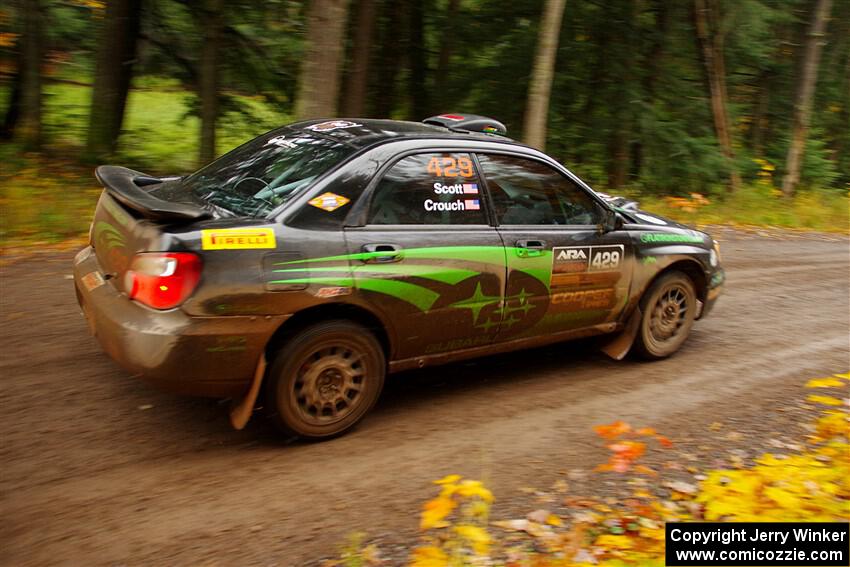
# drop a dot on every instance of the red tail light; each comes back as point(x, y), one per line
point(162, 280)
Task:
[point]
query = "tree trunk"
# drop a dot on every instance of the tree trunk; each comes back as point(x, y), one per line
point(13, 109)
point(805, 94)
point(760, 116)
point(657, 52)
point(212, 29)
point(710, 43)
point(28, 129)
point(113, 74)
point(417, 53)
point(537, 108)
point(354, 99)
point(318, 88)
point(391, 46)
point(621, 128)
point(445, 56)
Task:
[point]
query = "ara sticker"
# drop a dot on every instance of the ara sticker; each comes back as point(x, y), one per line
point(332, 125)
point(571, 260)
point(329, 202)
point(237, 238)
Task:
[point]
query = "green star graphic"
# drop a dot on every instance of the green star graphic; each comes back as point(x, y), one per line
point(526, 307)
point(522, 296)
point(476, 302)
point(487, 325)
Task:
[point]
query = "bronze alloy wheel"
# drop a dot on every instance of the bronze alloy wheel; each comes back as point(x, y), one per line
point(668, 309)
point(325, 379)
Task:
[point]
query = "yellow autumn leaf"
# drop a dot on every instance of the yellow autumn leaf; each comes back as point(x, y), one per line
point(450, 479)
point(782, 497)
point(829, 382)
point(826, 400)
point(554, 520)
point(719, 509)
point(435, 511)
point(832, 424)
point(476, 536)
point(429, 556)
point(8, 39)
point(845, 376)
point(473, 488)
point(610, 541)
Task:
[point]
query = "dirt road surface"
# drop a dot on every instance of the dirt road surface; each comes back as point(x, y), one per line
point(100, 469)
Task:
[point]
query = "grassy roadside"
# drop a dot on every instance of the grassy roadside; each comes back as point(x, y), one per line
point(807, 479)
point(759, 205)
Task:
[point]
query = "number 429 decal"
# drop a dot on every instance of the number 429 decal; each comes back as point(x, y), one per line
point(605, 259)
point(450, 167)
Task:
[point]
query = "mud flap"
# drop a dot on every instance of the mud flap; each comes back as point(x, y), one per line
point(240, 412)
point(620, 345)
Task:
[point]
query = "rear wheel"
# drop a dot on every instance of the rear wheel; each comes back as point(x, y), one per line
point(668, 307)
point(325, 379)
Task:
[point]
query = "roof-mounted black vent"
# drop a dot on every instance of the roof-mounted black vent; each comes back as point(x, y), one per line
point(468, 123)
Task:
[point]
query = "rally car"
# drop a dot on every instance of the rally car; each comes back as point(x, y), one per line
point(340, 250)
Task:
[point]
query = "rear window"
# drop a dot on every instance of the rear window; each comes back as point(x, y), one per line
point(264, 173)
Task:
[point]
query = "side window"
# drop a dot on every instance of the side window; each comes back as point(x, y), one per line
point(526, 191)
point(433, 188)
point(328, 209)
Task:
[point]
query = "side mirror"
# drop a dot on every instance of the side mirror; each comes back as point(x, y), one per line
point(611, 221)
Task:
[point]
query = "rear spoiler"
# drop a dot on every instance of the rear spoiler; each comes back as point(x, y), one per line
point(125, 185)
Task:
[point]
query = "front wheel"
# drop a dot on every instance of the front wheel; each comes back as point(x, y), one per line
point(669, 307)
point(325, 379)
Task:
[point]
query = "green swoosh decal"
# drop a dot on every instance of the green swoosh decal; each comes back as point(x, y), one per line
point(379, 277)
point(421, 297)
point(483, 254)
point(437, 273)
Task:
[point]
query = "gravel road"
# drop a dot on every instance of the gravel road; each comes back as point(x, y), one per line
point(100, 469)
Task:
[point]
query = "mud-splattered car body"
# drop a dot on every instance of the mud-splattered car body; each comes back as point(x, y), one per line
point(466, 264)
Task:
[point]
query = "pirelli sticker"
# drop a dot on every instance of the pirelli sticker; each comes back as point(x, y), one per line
point(587, 265)
point(237, 239)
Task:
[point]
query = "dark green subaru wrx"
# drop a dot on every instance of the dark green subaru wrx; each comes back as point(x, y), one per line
point(309, 262)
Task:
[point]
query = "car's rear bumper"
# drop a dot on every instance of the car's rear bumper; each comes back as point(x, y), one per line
point(204, 356)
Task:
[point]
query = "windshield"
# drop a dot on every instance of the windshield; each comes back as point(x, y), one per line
point(257, 177)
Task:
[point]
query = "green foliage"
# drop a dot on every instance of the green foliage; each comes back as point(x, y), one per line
point(629, 108)
point(48, 199)
point(160, 131)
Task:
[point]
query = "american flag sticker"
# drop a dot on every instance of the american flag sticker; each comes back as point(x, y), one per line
point(471, 204)
point(471, 188)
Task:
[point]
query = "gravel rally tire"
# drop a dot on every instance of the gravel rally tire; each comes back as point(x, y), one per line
point(324, 379)
point(669, 308)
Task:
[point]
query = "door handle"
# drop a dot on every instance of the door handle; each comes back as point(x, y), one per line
point(526, 248)
point(531, 244)
point(381, 253)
